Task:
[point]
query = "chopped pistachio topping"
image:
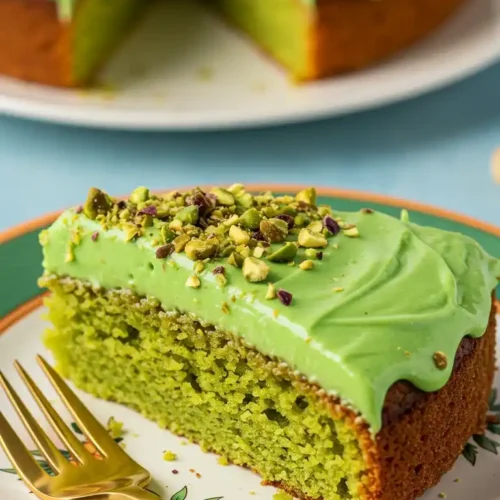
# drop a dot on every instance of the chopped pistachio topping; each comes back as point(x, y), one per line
point(307, 196)
point(193, 282)
point(255, 270)
point(188, 215)
point(258, 252)
point(274, 230)
point(199, 267)
point(201, 249)
point(286, 253)
point(224, 197)
point(285, 297)
point(238, 235)
point(221, 280)
point(70, 253)
point(311, 253)
point(271, 292)
point(306, 265)
point(250, 219)
point(164, 251)
point(315, 226)
point(352, 232)
point(180, 242)
point(235, 259)
point(98, 202)
point(440, 360)
point(248, 231)
point(310, 239)
point(139, 195)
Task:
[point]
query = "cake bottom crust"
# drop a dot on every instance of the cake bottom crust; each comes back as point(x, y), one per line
point(422, 433)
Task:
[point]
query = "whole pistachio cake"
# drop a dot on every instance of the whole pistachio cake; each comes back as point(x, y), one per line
point(339, 355)
point(65, 43)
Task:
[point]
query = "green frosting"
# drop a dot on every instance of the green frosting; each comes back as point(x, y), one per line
point(373, 311)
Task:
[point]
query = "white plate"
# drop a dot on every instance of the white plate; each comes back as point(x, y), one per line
point(146, 443)
point(183, 69)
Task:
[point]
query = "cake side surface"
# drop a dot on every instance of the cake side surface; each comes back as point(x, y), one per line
point(350, 35)
point(34, 45)
point(423, 433)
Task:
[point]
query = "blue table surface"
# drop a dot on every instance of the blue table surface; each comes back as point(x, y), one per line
point(434, 149)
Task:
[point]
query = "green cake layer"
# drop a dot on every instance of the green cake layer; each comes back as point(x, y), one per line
point(353, 301)
point(204, 384)
point(99, 26)
point(281, 27)
point(96, 30)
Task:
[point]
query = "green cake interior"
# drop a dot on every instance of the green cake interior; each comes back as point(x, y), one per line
point(97, 29)
point(204, 384)
point(280, 27)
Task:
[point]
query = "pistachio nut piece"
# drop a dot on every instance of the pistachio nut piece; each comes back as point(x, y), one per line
point(255, 270)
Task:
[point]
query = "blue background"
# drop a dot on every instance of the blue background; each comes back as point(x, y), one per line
point(434, 149)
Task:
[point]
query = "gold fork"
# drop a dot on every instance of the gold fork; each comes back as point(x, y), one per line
point(115, 477)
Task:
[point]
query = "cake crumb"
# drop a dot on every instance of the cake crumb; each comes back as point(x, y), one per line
point(223, 461)
point(251, 492)
point(175, 471)
point(169, 456)
point(281, 495)
point(198, 475)
point(115, 428)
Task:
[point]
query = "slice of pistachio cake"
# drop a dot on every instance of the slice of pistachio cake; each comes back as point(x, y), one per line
point(339, 355)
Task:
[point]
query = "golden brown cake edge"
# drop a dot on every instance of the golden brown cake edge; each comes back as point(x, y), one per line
point(423, 433)
point(351, 34)
point(44, 55)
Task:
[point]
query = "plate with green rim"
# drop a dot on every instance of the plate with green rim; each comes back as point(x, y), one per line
point(195, 475)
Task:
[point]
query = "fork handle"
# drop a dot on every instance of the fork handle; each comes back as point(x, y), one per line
point(131, 493)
